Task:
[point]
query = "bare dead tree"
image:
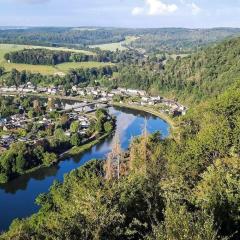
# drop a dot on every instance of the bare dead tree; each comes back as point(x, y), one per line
point(113, 162)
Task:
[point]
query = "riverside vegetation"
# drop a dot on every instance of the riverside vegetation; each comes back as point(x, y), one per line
point(43, 143)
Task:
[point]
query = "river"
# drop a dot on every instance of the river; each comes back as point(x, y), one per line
point(17, 198)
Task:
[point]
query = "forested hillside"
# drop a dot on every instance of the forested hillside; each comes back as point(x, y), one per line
point(180, 40)
point(204, 74)
point(171, 40)
point(59, 36)
point(168, 189)
point(193, 78)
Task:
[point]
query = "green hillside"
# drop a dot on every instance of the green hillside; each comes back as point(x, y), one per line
point(204, 74)
point(192, 78)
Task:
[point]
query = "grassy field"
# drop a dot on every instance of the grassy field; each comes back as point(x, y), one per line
point(115, 46)
point(64, 67)
point(43, 69)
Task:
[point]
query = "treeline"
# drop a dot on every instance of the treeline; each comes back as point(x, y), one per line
point(181, 40)
point(54, 57)
point(38, 56)
point(167, 189)
point(80, 76)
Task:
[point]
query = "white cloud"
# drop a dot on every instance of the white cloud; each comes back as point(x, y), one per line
point(137, 11)
point(155, 7)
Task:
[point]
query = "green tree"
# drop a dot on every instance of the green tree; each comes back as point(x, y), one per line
point(75, 139)
point(3, 177)
point(49, 158)
point(20, 163)
point(219, 192)
point(74, 127)
point(108, 126)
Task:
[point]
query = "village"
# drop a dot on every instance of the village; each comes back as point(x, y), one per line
point(87, 100)
point(121, 95)
point(23, 128)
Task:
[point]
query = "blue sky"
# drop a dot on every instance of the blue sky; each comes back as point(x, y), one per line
point(121, 13)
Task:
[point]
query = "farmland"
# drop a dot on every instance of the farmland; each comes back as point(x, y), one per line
point(65, 67)
point(114, 46)
point(43, 69)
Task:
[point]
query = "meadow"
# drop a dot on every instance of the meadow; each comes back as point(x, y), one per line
point(114, 46)
point(65, 67)
point(44, 69)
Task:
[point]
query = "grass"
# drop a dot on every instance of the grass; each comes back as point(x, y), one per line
point(115, 46)
point(43, 69)
point(65, 67)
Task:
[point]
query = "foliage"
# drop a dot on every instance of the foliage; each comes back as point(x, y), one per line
point(194, 78)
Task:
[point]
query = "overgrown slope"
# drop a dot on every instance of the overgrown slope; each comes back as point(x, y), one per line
point(202, 75)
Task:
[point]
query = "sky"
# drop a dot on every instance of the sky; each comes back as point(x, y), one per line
point(121, 13)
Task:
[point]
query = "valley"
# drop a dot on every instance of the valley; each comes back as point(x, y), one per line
point(119, 133)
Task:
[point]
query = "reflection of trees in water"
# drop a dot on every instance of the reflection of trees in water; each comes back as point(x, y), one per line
point(21, 182)
point(135, 112)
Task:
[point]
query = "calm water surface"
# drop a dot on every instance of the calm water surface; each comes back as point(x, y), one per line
point(17, 198)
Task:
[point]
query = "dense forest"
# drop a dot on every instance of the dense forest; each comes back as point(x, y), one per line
point(54, 57)
point(38, 57)
point(174, 40)
point(187, 188)
point(192, 78)
point(180, 40)
point(60, 36)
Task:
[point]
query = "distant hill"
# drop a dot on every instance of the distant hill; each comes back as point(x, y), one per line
point(174, 40)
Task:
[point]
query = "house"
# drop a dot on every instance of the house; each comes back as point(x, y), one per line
point(156, 99)
point(110, 95)
point(52, 90)
point(41, 89)
point(81, 92)
point(74, 88)
point(145, 99)
point(151, 103)
point(6, 141)
point(84, 124)
point(10, 127)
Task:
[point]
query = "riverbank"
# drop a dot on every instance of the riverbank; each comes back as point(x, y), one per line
point(78, 150)
point(70, 153)
point(174, 129)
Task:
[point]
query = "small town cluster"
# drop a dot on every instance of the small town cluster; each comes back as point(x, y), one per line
point(16, 127)
point(87, 100)
point(132, 96)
